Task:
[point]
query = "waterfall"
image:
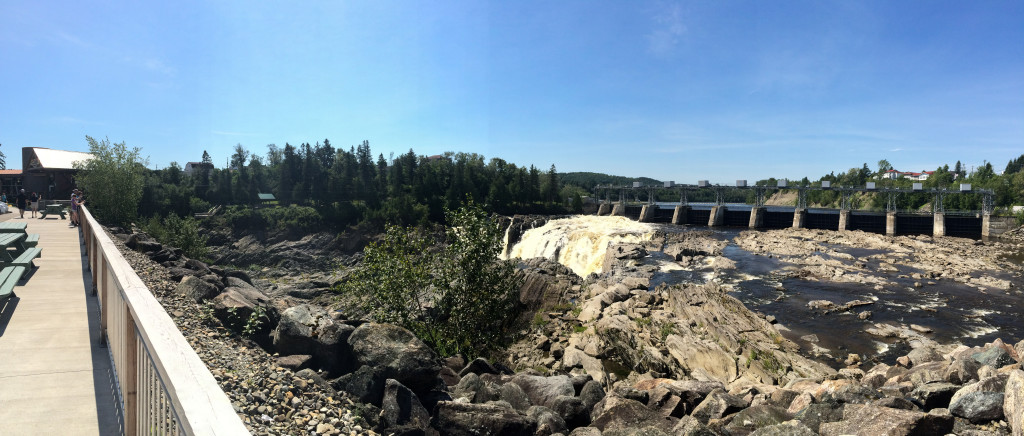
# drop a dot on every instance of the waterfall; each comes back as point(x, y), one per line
point(580, 242)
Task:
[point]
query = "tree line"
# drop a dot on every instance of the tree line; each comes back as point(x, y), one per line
point(348, 186)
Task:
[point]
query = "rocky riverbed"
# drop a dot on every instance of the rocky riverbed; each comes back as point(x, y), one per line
point(658, 337)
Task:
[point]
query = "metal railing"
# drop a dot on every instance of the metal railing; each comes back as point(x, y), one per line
point(162, 384)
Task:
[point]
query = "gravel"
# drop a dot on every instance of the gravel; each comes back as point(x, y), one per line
point(271, 400)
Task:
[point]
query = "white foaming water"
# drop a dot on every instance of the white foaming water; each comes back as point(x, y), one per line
point(580, 242)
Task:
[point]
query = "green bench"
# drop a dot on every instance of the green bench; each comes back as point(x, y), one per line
point(13, 227)
point(26, 258)
point(53, 209)
point(32, 240)
point(9, 277)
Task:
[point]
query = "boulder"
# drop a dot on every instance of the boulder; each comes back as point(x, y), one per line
point(922, 355)
point(295, 362)
point(586, 431)
point(309, 329)
point(690, 426)
point(996, 383)
point(615, 412)
point(366, 384)
point(591, 394)
point(195, 288)
point(895, 403)
point(401, 407)
point(1013, 401)
point(573, 411)
point(790, 428)
point(478, 366)
point(198, 266)
point(397, 353)
point(542, 391)
point(979, 407)
point(548, 421)
point(237, 283)
point(873, 420)
point(718, 404)
point(816, 414)
point(994, 356)
point(752, 418)
point(235, 306)
point(514, 395)
point(461, 419)
point(934, 395)
point(962, 371)
point(692, 392)
point(238, 274)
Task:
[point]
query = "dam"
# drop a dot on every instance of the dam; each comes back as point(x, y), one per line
point(938, 222)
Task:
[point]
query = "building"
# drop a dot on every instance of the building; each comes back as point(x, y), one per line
point(10, 181)
point(50, 172)
point(893, 175)
point(192, 167)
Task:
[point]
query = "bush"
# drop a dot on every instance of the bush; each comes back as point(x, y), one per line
point(293, 220)
point(178, 232)
point(462, 299)
point(112, 181)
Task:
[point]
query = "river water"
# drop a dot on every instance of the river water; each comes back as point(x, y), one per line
point(951, 312)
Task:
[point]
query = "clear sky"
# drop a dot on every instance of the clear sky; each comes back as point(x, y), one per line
point(717, 90)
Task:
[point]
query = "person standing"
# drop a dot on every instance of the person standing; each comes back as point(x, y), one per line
point(22, 198)
point(34, 201)
point(74, 207)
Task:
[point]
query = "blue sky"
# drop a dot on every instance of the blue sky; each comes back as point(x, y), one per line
point(717, 90)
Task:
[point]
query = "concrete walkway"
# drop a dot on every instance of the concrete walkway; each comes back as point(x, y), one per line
point(54, 378)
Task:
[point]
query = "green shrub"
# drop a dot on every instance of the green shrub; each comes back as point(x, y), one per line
point(178, 232)
point(461, 299)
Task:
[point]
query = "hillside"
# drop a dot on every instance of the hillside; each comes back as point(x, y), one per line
point(588, 180)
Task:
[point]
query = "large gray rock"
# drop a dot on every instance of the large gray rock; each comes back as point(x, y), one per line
point(816, 414)
point(591, 394)
point(572, 410)
point(962, 371)
point(548, 421)
point(309, 329)
point(755, 417)
point(235, 306)
point(514, 395)
point(195, 288)
point(690, 426)
point(693, 392)
point(615, 412)
point(718, 404)
point(1013, 402)
point(872, 420)
point(792, 428)
point(397, 353)
point(543, 391)
point(934, 395)
point(461, 419)
point(366, 384)
point(979, 407)
point(401, 407)
point(923, 355)
point(994, 356)
point(996, 383)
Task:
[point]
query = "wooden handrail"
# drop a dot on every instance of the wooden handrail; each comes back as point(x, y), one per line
point(164, 386)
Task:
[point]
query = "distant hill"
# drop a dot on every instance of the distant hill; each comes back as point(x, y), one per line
point(588, 181)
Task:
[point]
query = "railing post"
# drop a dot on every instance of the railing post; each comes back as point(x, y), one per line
point(131, 375)
point(104, 308)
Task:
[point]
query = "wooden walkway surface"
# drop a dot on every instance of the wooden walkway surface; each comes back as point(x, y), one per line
point(54, 376)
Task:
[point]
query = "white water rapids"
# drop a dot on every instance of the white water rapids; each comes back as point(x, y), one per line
point(580, 242)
